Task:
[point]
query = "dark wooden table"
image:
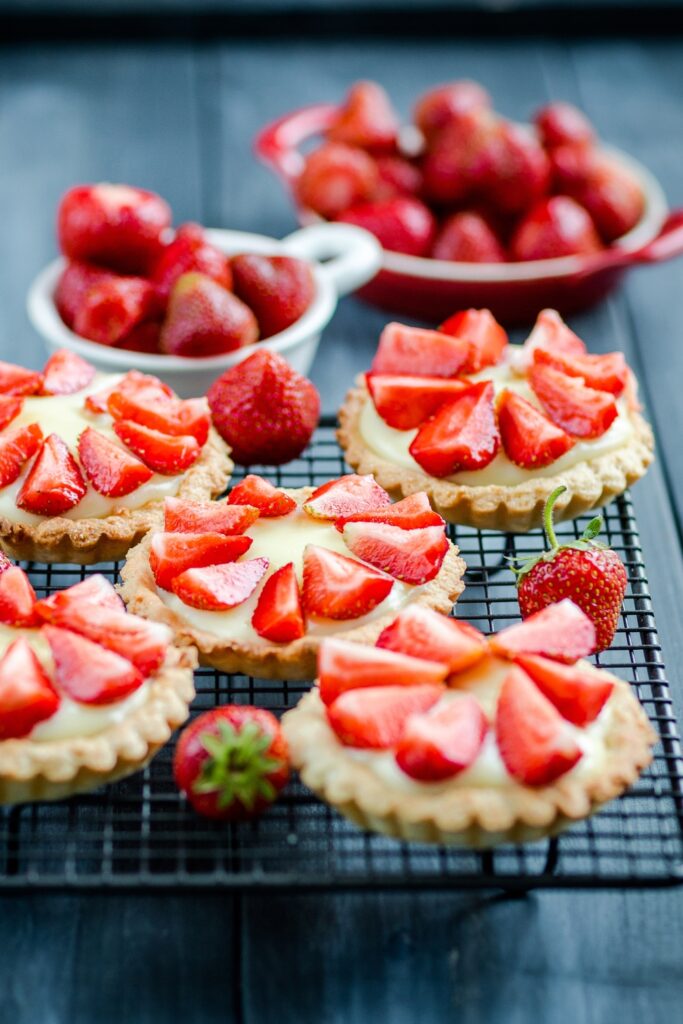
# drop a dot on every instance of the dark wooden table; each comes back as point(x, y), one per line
point(179, 118)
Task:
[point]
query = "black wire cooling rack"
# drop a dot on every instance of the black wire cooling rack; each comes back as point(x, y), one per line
point(140, 834)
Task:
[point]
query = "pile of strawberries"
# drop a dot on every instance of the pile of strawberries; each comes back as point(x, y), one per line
point(478, 188)
point(132, 282)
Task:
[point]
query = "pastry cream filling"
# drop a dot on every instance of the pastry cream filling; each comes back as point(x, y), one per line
point(281, 541)
point(67, 416)
point(71, 719)
point(393, 445)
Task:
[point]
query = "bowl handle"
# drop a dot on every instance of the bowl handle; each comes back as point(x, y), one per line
point(277, 144)
point(667, 243)
point(348, 256)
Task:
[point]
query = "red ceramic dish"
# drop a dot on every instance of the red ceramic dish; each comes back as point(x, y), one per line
point(432, 289)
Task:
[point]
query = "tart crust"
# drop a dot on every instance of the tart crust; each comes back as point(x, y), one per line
point(54, 769)
point(517, 509)
point(87, 541)
point(471, 816)
point(296, 660)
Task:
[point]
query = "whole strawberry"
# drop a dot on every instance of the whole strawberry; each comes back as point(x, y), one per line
point(584, 570)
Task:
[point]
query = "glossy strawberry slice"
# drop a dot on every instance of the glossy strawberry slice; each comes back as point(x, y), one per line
point(143, 401)
point(26, 694)
point(405, 402)
point(10, 407)
point(88, 672)
point(410, 513)
point(16, 447)
point(462, 435)
point(418, 352)
point(17, 598)
point(530, 439)
point(337, 587)
point(278, 615)
point(604, 373)
point(414, 556)
point(346, 496)
point(219, 587)
point(142, 642)
point(109, 468)
point(97, 402)
point(172, 553)
point(54, 483)
point(15, 380)
point(375, 717)
point(579, 410)
point(561, 631)
point(184, 516)
point(440, 744)
point(65, 373)
point(550, 332)
point(95, 590)
point(161, 452)
point(270, 501)
point(485, 338)
point(533, 738)
point(578, 693)
point(423, 633)
point(347, 666)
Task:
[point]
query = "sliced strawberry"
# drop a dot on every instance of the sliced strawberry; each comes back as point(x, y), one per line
point(560, 631)
point(95, 590)
point(172, 553)
point(462, 435)
point(533, 738)
point(346, 496)
point(184, 516)
point(16, 447)
point(270, 501)
point(405, 402)
point(579, 695)
point(144, 402)
point(530, 439)
point(418, 352)
point(65, 373)
point(337, 587)
point(86, 671)
point(604, 373)
point(440, 744)
point(423, 633)
point(17, 598)
point(142, 642)
point(109, 468)
point(579, 410)
point(485, 338)
point(161, 452)
point(15, 380)
point(54, 483)
point(550, 332)
point(97, 402)
point(414, 556)
point(347, 666)
point(10, 407)
point(26, 694)
point(278, 615)
point(219, 587)
point(133, 383)
point(410, 513)
point(375, 717)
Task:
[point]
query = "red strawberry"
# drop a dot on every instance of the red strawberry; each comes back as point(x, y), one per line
point(397, 177)
point(142, 399)
point(581, 411)
point(337, 587)
point(423, 633)
point(440, 744)
point(205, 319)
point(413, 351)
point(231, 762)
point(551, 333)
point(366, 119)
point(446, 103)
point(608, 372)
point(414, 556)
point(346, 666)
point(109, 468)
point(190, 250)
point(264, 409)
point(142, 338)
point(112, 308)
point(405, 402)
point(561, 631)
point(219, 587)
point(278, 615)
point(557, 226)
point(65, 373)
point(520, 170)
point(17, 598)
point(278, 289)
point(258, 493)
point(611, 194)
point(96, 403)
point(15, 380)
point(94, 590)
point(461, 435)
point(88, 672)
point(529, 438)
point(458, 164)
point(400, 224)
point(410, 513)
point(577, 693)
point(139, 389)
point(570, 166)
point(562, 124)
point(346, 496)
point(113, 225)
point(335, 177)
point(74, 283)
point(184, 516)
point(533, 738)
point(170, 554)
point(162, 453)
point(141, 642)
point(486, 340)
point(10, 407)
point(466, 237)
point(16, 447)
point(584, 570)
point(26, 694)
point(54, 483)
point(374, 717)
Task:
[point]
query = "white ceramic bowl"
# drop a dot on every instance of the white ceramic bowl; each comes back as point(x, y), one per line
point(351, 258)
